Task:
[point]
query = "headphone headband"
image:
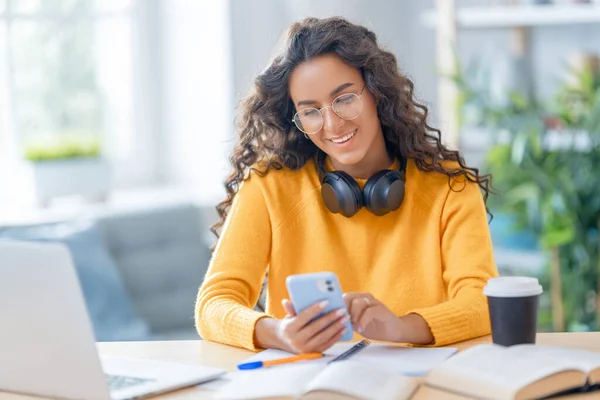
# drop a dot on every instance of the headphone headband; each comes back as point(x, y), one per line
point(383, 192)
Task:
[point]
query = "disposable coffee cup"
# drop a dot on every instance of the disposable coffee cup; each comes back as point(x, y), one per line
point(513, 303)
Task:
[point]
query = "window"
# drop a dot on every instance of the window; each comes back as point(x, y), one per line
point(67, 68)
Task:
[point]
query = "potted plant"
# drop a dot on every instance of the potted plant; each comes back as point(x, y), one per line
point(545, 166)
point(69, 164)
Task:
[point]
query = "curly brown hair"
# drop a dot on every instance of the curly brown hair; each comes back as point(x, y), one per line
point(268, 136)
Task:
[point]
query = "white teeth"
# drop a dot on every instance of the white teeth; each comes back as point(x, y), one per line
point(344, 139)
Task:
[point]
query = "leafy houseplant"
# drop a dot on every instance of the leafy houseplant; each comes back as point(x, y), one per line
point(64, 147)
point(69, 164)
point(545, 163)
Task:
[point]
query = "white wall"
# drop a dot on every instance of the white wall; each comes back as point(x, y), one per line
point(257, 27)
point(197, 94)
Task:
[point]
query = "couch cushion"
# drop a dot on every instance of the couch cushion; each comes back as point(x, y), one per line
point(113, 316)
point(163, 258)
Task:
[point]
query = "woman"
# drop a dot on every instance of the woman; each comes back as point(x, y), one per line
point(336, 169)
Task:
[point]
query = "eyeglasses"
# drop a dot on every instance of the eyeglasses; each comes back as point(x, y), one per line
point(348, 106)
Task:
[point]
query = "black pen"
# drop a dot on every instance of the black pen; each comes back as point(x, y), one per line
point(351, 351)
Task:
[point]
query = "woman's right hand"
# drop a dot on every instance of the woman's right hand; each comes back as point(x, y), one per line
point(298, 334)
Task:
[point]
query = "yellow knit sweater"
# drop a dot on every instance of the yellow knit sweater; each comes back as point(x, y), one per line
point(431, 257)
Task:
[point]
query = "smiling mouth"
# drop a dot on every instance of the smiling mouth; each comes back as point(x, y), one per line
point(344, 138)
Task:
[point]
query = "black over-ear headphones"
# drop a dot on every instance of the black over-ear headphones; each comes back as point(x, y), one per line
point(383, 192)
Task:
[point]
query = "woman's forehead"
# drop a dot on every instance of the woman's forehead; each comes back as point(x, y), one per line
point(316, 79)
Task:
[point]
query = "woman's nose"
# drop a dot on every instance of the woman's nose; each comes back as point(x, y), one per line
point(331, 121)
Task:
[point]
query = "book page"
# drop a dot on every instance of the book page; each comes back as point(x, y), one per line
point(494, 371)
point(413, 361)
point(288, 380)
point(587, 361)
point(363, 382)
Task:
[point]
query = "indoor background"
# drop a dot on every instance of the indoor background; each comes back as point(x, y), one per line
point(116, 121)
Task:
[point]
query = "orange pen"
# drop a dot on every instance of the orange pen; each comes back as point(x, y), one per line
point(286, 360)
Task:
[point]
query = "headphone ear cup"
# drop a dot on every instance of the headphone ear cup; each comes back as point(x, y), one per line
point(341, 194)
point(384, 192)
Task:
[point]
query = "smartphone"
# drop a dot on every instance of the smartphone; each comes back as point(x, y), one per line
point(307, 289)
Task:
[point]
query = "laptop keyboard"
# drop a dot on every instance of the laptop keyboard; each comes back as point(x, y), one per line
point(116, 382)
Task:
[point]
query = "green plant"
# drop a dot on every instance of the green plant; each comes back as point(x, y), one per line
point(552, 189)
point(62, 147)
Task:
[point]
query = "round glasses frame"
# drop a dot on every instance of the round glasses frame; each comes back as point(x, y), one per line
point(320, 110)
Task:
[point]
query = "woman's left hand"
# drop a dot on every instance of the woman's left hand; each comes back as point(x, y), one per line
point(372, 319)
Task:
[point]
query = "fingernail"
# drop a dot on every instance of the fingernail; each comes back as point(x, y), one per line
point(359, 329)
point(323, 304)
point(344, 320)
point(344, 331)
point(340, 312)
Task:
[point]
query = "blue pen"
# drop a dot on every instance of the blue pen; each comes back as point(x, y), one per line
point(299, 357)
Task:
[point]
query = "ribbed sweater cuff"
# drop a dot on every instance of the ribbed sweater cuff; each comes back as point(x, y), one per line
point(449, 323)
point(241, 328)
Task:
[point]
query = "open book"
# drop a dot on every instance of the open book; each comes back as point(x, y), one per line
point(517, 372)
point(318, 380)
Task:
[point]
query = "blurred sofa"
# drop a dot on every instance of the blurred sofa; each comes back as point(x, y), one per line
point(162, 256)
point(140, 269)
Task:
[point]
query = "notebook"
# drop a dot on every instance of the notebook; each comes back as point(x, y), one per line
point(517, 372)
point(412, 361)
point(309, 380)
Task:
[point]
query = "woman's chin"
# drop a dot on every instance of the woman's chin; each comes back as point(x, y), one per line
point(347, 159)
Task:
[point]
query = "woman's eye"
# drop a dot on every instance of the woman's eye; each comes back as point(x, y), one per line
point(345, 99)
point(311, 112)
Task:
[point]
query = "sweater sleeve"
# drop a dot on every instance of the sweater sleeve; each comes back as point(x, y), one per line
point(224, 306)
point(467, 263)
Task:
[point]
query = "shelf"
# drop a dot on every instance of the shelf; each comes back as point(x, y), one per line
point(519, 16)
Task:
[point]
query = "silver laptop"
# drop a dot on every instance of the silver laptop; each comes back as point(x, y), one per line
point(47, 345)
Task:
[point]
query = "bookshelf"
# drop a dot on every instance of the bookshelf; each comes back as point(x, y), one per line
point(494, 17)
point(449, 20)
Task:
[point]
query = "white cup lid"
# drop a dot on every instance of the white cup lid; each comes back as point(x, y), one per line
point(512, 286)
